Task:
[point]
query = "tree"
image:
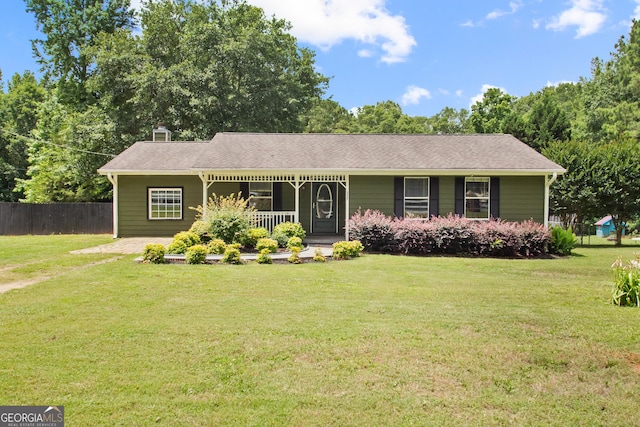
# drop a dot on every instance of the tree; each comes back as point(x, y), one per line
point(327, 116)
point(450, 121)
point(489, 114)
point(70, 27)
point(386, 117)
point(601, 179)
point(18, 117)
point(547, 122)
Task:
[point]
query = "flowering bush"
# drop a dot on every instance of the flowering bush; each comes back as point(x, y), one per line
point(452, 235)
point(626, 286)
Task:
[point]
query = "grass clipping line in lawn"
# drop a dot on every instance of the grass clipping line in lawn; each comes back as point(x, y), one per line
point(380, 340)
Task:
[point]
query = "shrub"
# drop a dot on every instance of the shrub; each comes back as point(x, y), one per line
point(227, 218)
point(347, 250)
point(294, 242)
point(154, 254)
point(373, 229)
point(562, 241)
point(285, 230)
point(263, 257)
point(266, 243)
point(196, 254)
point(294, 258)
point(216, 246)
point(232, 254)
point(626, 283)
point(251, 237)
point(318, 256)
point(183, 241)
point(201, 229)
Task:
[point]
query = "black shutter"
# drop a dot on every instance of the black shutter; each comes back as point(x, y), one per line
point(277, 196)
point(459, 207)
point(244, 189)
point(398, 196)
point(495, 197)
point(434, 196)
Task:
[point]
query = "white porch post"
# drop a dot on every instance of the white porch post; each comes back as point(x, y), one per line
point(346, 208)
point(114, 181)
point(547, 186)
point(205, 186)
point(297, 206)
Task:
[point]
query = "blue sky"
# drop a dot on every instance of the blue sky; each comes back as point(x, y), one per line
point(423, 54)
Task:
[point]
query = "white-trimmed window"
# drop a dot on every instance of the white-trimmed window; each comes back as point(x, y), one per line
point(165, 203)
point(261, 195)
point(476, 198)
point(416, 198)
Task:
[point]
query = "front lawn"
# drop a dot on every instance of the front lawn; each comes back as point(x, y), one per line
point(379, 340)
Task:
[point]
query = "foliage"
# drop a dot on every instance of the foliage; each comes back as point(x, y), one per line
point(70, 27)
point(232, 254)
point(227, 217)
point(386, 117)
point(263, 257)
point(285, 230)
point(562, 241)
point(452, 235)
point(294, 258)
point(318, 256)
point(216, 246)
point(183, 241)
point(251, 237)
point(154, 253)
point(490, 114)
point(294, 242)
point(347, 250)
point(626, 286)
point(196, 254)
point(265, 243)
point(201, 229)
point(373, 229)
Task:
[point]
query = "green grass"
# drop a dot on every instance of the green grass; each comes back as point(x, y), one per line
point(379, 340)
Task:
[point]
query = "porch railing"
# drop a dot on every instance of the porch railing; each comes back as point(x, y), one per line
point(269, 220)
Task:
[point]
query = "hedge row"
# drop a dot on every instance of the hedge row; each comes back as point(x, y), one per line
point(450, 235)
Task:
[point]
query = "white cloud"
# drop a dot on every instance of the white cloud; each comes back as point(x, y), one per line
point(588, 15)
point(513, 6)
point(444, 92)
point(366, 53)
point(326, 23)
point(469, 24)
point(485, 88)
point(556, 84)
point(536, 24)
point(636, 12)
point(414, 94)
point(459, 93)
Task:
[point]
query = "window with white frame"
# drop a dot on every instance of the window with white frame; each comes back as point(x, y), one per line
point(261, 195)
point(416, 198)
point(165, 203)
point(476, 198)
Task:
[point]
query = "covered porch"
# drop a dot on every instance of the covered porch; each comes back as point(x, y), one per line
point(320, 202)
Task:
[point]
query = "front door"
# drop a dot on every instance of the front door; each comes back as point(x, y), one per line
point(324, 207)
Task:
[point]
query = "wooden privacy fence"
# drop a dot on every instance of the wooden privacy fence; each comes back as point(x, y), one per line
point(56, 218)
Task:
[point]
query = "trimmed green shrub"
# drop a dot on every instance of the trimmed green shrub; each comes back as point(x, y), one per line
point(201, 229)
point(318, 256)
point(626, 283)
point(232, 254)
point(347, 250)
point(216, 246)
point(183, 241)
point(263, 257)
point(154, 254)
point(227, 218)
point(562, 241)
point(285, 230)
point(196, 254)
point(294, 258)
point(266, 243)
point(251, 237)
point(294, 242)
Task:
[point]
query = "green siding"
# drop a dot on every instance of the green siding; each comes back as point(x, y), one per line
point(447, 195)
point(288, 197)
point(522, 198)
point(132, 207)
point(224, 189)
point(371, 192)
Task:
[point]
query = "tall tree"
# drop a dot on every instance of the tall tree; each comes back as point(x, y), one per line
point(70, 27)
point(490, 114)
point(386, 117)
point(327, 116)
point(450, 121)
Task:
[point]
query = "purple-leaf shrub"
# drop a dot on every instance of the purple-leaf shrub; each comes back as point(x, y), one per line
point(451, 235)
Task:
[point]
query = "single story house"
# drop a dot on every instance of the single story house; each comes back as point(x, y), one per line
point(320, 180)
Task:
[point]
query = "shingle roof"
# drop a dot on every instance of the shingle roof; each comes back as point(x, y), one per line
point(337, 152)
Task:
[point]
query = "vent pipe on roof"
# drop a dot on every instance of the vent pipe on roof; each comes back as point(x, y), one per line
point(161, 134)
